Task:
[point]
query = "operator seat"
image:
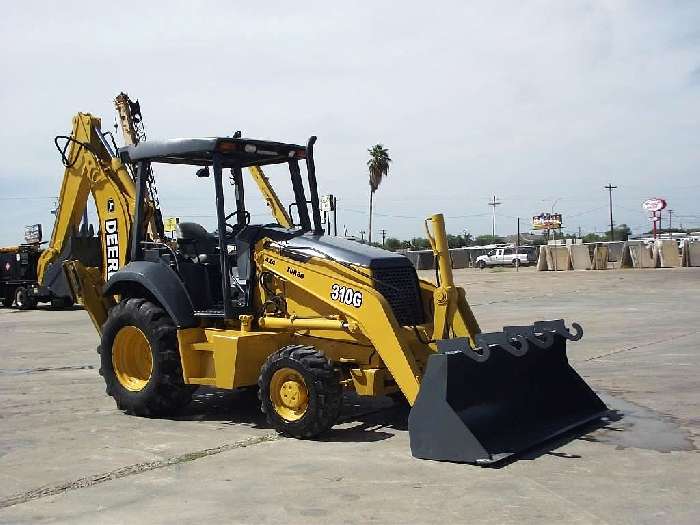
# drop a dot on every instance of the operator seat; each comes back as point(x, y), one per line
point(196, 243)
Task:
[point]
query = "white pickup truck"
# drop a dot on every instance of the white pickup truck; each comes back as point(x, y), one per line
point(500, 257)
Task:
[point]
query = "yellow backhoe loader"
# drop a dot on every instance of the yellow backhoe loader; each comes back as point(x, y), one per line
point(300, 315)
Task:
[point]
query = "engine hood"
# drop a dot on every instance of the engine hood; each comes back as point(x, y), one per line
point(347, 251)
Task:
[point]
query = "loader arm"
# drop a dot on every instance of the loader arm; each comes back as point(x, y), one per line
point(373, 318)
point(452, 315)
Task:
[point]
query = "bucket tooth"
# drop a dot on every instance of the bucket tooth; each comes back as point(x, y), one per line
point(558, 326)
point(481, 405)
point(516, 345)
point(542, 340)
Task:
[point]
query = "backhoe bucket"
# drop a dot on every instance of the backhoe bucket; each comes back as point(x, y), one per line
point(515, 390)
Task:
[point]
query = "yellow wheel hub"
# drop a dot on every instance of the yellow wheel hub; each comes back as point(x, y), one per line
point(131, 358)
point(288, 393)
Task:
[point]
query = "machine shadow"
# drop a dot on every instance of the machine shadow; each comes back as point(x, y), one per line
point(361, 420)
point(550, 447)
point(232, 407)
point(367, 419)
point(364, 420)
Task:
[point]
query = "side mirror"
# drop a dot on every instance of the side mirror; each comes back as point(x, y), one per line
point(203, 172)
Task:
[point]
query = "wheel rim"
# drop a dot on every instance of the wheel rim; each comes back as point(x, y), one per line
point(289, 395)
point(131, 358)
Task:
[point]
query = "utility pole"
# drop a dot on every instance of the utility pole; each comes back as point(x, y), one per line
point(670, 223)
point(517, 249)
point(610, 187)
point(579, 232)
point(493, 203)
point(335, 216)
point(383, 232)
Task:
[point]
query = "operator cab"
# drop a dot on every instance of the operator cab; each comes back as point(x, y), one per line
point(217, 268)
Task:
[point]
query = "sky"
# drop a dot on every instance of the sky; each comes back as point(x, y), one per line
point(540, 103)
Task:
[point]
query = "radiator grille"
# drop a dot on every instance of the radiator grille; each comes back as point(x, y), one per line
point(400, 288)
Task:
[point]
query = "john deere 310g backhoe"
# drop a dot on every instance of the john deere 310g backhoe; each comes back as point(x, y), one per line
point(300, 315)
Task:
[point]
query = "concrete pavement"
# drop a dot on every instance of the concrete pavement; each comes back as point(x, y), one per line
point(67, 454)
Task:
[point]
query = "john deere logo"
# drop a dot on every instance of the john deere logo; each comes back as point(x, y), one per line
point(112, 246)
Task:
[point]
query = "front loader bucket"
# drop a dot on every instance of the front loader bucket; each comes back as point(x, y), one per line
point(517, 389)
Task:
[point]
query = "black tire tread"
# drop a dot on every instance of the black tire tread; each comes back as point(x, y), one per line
point(324, 385)
point(166, 392)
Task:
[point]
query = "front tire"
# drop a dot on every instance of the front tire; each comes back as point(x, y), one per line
point(300, 391)
point(140, 360)
point(481, 265)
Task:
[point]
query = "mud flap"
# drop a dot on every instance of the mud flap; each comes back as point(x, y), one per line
point(515, 390)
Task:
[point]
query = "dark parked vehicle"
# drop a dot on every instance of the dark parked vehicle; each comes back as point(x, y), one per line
point(18, 279)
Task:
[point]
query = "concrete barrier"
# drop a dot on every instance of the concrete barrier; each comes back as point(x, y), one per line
point(638, 255)
point(413, 257)
point(600, 257)
point(666, 253)
point(580, 257)
point(558, 258)
point(691, 253)
point(615, 251)
point(426, 260)
point(460, 258)
point(542, 260)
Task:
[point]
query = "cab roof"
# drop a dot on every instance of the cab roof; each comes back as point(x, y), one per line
point(235, 152)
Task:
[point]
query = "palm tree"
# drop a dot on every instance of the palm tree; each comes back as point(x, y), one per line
point(378, 165)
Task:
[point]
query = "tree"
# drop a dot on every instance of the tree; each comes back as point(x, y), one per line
point(482, 240)
point(594, 237)
point(378, 165)
point(459, 241)
point(420, 243)
point(393, 244)
point(622, 232)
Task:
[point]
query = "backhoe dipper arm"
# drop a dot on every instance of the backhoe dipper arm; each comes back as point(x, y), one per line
point(271, 197)
point(92, 169)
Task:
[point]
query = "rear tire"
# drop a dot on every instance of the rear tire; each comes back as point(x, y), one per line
point(300, 391)
point(515, 263)
point(23, 300)
point(140, 360)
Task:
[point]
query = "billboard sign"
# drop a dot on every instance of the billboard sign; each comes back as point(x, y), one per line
point(654, 204)
point(546, 221)
point(170, 224)
point(32, 233)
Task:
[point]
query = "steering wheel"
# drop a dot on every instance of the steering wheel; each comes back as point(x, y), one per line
point(233, 230)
